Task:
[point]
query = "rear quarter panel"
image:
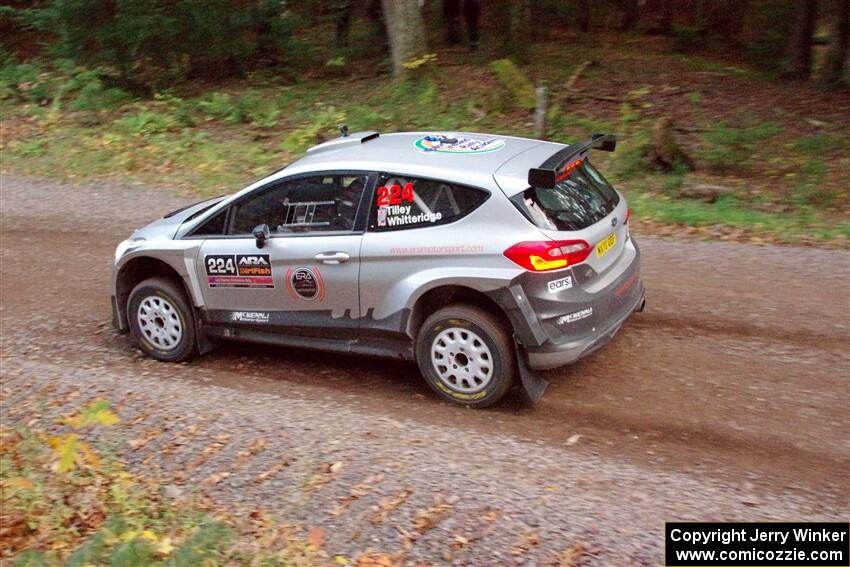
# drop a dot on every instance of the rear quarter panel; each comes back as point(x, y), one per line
point(399, 266)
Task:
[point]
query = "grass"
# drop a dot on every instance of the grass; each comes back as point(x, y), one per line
point(728, 212)
point(68, 501)
point(218, 140)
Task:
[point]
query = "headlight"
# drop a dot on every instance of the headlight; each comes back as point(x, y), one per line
point(126, 246)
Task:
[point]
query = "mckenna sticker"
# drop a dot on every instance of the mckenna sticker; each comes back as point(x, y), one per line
point(250, 316)
point(558, 285)
point(305, 283)
point(458, 144)
point(239, 270)
point(577, 316)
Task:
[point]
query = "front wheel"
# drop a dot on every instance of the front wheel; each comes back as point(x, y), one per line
point(466, 356)
point(161, 320)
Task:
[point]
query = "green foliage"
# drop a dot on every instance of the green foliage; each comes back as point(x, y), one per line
point(820, 143)
point(695, 97)
point(32, 148)
point(628, 113)
point(100, 514)
point(146, 122)
point(630, 159)
point(771, 27)
point(728, 148)
point(204, 544)
point(322, 127)
point(93, 96)
point(26, 81)
point(246, 109)
point(809, 191)
point(157, 42)
point(686, 39)
point(514, 80)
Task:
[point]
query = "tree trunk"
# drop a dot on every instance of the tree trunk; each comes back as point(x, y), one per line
point(584, 15)
point(836, 59)
point(631, 14)
point(406, 32)
point(343, 11)
point(520, 31)
point(667, 11)
point(800, 63)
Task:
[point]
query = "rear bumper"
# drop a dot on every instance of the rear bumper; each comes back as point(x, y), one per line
point(552, 355)
point(579, 321)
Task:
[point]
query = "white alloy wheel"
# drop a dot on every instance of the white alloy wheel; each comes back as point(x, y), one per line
point(462, 360)
point(160, 322)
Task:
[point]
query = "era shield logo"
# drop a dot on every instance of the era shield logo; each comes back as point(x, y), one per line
point(305, 284)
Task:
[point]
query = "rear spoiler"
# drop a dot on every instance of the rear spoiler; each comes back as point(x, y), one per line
point(559, 165)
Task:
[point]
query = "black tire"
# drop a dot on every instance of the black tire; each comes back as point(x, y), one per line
point(173, 293)
point(491, 331)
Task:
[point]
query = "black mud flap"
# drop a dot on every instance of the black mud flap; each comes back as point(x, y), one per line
point(201, 337)
point(533, 386)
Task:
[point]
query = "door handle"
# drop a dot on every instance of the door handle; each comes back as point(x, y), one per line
point(332, 257)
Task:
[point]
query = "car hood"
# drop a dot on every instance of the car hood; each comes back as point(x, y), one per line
point(166, 227)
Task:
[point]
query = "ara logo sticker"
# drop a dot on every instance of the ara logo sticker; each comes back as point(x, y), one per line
point(305, 283)
point(577, 316)
point(239, 270)
point(250, 316)
point(558, 285)
point(458, 144)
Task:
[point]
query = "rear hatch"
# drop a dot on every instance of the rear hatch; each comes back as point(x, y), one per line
point(581, 205)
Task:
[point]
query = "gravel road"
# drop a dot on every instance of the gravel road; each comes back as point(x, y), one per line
point(729, 398)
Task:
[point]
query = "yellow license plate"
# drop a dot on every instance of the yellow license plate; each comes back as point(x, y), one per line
point(607, 243)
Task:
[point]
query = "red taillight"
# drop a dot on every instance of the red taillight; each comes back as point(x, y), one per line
point(548, 255)
point(565, 172)
point(628, 215)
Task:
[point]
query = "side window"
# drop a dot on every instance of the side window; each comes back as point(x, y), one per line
point(409, 202)
point(307, 204)
point(213, 226)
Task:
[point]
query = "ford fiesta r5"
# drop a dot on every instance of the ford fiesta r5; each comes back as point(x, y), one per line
point(480, 257)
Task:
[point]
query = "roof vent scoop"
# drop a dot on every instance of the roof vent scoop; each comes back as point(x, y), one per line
point(345, 140)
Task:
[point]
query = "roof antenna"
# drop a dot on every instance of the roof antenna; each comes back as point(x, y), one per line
point(343, 130)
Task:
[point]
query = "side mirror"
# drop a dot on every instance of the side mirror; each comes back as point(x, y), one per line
point(261, 233)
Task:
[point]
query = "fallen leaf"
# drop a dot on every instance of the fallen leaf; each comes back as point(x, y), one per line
point(164, 547)
point(370, 559)
point(426, 519)
point(572, 556)
point(387, 505)
point(18, 482)
point(147, 437)
point(528, 540)
point(316, 537)
point(215, 478)
point(264, 476)
point(205, 455)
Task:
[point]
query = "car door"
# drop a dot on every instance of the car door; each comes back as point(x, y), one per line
point(302, 280)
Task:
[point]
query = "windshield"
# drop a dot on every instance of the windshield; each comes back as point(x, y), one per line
point(576, 202)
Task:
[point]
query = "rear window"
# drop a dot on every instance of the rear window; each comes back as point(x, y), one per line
point(578, 201)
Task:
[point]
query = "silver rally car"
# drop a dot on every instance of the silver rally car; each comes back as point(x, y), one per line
point(483, 258)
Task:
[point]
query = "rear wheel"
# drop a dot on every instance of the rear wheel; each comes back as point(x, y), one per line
point(161, 320)
point(466, 356)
